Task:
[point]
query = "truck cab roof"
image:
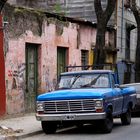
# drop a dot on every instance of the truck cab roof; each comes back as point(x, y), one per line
point(86, 72)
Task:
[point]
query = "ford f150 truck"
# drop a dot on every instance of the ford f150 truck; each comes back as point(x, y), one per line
point(86, 97)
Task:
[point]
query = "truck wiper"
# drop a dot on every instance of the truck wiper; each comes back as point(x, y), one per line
point(95, 80)
point(75, 79)
point(87, 85)
point(92, 83)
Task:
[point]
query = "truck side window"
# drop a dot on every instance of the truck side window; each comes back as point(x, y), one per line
point(113, 80)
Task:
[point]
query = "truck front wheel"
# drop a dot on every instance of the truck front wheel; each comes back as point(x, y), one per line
point(107, 124)
point(126, 117)
point(49, 127)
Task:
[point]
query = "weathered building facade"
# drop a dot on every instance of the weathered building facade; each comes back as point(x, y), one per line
point(126, 41)
point(122, 20)
point(38, 46)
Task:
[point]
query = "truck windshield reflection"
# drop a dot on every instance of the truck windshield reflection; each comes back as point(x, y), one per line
point(84, 81)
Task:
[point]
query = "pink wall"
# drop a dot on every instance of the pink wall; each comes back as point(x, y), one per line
point(47, 68)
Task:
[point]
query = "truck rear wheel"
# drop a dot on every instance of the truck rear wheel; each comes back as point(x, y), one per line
point(126, 118)
point(49, 127)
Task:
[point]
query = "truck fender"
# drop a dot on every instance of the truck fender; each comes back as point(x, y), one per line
point(109, 108)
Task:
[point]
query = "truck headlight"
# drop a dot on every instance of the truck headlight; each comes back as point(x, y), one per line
point(99, 103)
point(40, 106)
point(99, 106)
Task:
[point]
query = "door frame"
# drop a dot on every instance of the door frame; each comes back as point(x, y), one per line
point(36, 46)
point(66, 57)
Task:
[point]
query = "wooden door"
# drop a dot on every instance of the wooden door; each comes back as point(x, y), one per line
point(31, 77)
point(61, 60)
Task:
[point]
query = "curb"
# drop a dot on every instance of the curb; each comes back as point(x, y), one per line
point(7, 137)
point(28, 135)
point(19, 137)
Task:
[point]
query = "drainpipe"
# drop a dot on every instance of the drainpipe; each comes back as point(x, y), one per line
point(122, 25)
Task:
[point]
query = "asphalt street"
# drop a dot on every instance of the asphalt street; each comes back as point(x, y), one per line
point(89, 132)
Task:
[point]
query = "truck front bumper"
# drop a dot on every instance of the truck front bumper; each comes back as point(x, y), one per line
point(70, 117)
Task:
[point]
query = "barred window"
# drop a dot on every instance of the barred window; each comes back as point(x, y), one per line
point(84, 58)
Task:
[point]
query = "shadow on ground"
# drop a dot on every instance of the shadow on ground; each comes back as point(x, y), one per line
point(136, 114)
point(86, 129)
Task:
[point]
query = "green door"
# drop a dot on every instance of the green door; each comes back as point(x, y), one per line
point(31, 77)
point(61, 60)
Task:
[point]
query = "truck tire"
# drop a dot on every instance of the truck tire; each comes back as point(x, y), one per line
point(49, 127)
point(126, 117)
point(107, 124)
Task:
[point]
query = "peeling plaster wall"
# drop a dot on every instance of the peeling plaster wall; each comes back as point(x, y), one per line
point(49, 40)
point(14, 77)
point(15, 72)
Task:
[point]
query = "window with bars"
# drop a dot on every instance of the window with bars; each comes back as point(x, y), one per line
point(84, 58)
point(127, 49)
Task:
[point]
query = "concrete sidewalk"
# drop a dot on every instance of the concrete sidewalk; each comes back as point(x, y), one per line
point(19, 127)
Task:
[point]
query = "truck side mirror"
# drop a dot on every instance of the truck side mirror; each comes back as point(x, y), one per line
point(117, 86)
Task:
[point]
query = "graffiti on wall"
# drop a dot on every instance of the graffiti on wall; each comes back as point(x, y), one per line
point(47, 83)
point(21, 76)
point(16, 83)
point(17, 75)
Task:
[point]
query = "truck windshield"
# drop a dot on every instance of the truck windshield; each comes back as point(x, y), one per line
point(84, 81)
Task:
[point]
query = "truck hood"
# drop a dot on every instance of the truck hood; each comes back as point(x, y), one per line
point(72, 94)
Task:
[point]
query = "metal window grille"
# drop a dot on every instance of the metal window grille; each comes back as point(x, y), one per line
point(84, 58)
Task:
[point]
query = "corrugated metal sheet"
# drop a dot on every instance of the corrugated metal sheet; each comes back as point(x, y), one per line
point(82, 9)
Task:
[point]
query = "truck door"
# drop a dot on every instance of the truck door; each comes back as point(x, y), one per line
point(118, 98)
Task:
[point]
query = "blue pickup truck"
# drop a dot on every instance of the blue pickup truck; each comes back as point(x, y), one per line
point(86, 97)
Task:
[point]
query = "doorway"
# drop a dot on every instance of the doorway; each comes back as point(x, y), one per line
point(61, 60)
point(31, 76)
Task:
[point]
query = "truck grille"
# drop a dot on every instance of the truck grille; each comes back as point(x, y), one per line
point(69, 106)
